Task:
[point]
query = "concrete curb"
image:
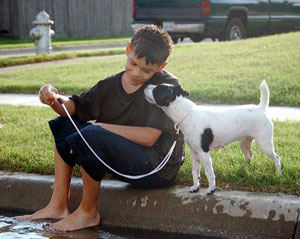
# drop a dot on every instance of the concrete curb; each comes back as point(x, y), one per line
point(226, 214)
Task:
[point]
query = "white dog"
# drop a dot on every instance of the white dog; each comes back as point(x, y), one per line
point(207, 129)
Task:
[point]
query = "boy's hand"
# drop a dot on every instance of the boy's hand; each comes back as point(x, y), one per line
point(48, 94)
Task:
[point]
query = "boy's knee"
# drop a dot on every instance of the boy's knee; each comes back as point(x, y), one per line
point(64, 151)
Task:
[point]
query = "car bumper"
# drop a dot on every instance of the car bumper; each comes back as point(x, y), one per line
point(174, 27)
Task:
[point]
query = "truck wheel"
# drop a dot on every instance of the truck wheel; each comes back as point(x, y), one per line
point(174, 39)
point(196, 38)
point(235, 30)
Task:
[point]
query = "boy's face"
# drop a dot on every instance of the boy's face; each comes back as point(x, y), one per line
point(137, 71)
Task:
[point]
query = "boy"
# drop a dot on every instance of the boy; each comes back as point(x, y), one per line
point(130, 134)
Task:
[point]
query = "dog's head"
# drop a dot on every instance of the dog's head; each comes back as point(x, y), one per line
point(163, 94)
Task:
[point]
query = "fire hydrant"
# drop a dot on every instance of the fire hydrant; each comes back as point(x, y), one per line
point(42, 33)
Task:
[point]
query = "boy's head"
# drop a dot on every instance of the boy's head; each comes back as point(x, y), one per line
point(152, 43)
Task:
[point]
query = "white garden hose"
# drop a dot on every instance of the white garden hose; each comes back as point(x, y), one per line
point(158, 168)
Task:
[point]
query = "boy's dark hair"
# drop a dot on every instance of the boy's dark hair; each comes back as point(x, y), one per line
point(153, 43)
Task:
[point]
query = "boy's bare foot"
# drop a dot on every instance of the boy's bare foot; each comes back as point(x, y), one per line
point(48, 212)
point(76, 221)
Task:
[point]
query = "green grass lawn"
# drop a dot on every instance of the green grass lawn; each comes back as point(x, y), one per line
point(26, 145)
point(6, 43)
point(230, 72)
point(225, 73)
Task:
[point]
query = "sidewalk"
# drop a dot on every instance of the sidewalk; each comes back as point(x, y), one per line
point(275, 112)
point(82, 47)
point(225, 214)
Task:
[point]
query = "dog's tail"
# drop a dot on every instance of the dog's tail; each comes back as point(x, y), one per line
point(264, 95)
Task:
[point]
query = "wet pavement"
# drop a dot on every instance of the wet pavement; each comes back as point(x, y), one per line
point(11, 229)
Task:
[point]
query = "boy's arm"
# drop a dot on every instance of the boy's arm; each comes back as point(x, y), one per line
point(49, 95)
point(144, 136)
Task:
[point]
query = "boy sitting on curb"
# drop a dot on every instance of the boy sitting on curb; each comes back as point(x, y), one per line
point(130, 134)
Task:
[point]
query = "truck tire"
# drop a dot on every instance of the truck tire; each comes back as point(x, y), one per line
point(196, 37)
point(174, 38)
point(235, 30)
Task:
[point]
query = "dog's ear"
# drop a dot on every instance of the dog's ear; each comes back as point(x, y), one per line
point(179, 91)
point(185, 93)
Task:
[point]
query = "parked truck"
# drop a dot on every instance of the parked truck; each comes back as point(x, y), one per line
point(218, 19)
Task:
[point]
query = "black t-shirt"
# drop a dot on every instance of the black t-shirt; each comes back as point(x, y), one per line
point(107, 102)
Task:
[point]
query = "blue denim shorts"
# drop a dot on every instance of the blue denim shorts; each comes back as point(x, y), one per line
point(119, 153)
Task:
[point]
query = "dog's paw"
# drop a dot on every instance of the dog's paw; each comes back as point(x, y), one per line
point(194, 189)
point(210, 191)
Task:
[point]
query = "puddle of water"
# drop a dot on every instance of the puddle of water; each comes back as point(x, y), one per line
point(11, 229)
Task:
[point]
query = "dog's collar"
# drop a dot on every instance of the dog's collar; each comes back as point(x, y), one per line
point(176, 125)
